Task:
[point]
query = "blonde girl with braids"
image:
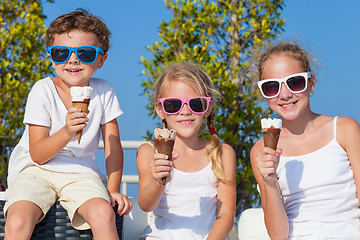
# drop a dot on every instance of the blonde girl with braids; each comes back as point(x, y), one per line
point(198, 200)
point(310, 185)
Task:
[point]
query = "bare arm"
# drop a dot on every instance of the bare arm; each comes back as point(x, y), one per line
point(151, 168)
point(44, 147)
point(349, 139)
point(264, 162)
point(226, 197)
point(114, 158)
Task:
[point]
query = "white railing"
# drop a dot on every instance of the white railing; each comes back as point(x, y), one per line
point(125, 144)
point(126, 179)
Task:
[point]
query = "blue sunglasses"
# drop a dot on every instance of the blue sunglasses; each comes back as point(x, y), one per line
point(85, 54)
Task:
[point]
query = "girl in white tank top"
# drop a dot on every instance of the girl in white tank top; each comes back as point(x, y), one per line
point(310, 185)
point(197, 201)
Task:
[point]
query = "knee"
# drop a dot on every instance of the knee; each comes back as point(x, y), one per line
point(18, 225)
point(103, 215)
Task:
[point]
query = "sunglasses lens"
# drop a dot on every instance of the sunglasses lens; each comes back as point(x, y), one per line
point(59, 54)
point(296, 83)
point(86, 54)
point(172, 105)
point(270, 89)
point(198, 105)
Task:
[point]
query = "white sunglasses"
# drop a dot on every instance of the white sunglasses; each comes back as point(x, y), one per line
point(296, 83)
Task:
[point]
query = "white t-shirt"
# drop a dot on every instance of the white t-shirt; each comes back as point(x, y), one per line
point(45, 108)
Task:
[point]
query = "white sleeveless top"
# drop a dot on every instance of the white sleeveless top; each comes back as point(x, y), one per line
point(319, 194)
point(187, 208)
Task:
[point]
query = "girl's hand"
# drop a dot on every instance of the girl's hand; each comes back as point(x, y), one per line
point(75, 121)
point(161, 167)
point(124, 203)
point(267, 162)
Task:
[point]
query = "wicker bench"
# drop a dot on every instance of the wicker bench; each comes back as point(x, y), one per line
point(56, 225)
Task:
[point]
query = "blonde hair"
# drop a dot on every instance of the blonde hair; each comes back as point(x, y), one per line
point(196, 77)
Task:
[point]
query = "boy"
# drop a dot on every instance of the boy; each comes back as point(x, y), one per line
point(49, 164)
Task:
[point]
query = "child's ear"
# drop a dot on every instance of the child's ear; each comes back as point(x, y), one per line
point(312, 83)
point(210, 108)
point(101, 61)
point(52, 63)
point(159, 111)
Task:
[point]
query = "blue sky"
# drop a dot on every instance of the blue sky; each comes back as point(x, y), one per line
point(327, 28)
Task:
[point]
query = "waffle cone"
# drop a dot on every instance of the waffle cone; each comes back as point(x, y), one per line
point(271, 137)
point(84, 108)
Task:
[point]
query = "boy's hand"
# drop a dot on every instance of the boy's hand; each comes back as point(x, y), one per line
point(75, 121)
point(124, 203)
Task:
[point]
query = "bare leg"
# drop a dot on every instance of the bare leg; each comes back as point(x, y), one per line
point(21, 219)
point(101, 218)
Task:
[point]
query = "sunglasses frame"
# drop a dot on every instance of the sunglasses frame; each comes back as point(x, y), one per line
point(183, 101)
point(74, 50)
point(306, 76)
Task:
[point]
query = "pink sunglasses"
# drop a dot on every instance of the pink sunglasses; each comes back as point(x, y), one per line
point(197, 105)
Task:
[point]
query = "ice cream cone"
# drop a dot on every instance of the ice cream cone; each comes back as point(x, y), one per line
point(81, 99)
point(84, 108)
point(165, 146)
point(271, 129)
point(164, 143)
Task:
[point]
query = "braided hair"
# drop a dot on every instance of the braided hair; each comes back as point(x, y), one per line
point(198, 79)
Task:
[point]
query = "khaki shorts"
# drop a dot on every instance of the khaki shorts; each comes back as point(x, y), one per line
point(43, 187)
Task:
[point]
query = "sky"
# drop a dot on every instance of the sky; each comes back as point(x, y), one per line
point(326, 28)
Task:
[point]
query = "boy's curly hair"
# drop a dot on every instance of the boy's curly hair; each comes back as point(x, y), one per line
point(81, 20)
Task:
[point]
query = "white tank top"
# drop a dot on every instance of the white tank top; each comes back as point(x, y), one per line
point(187, 208)
point(319, 194)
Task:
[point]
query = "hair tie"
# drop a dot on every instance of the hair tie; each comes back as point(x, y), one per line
point(212, 131)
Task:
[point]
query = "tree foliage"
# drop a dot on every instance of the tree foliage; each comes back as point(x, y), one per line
point(22, 62)
point(223, 36)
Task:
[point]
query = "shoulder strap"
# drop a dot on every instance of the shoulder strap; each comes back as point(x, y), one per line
point(152, 144)
point(335, 119)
